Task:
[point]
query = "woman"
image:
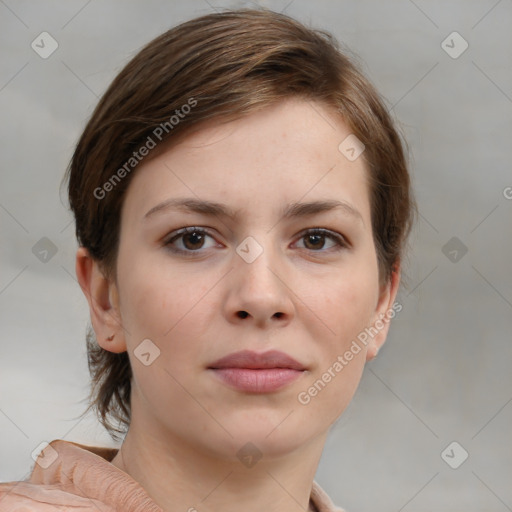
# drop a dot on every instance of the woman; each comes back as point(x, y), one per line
point(242, 203)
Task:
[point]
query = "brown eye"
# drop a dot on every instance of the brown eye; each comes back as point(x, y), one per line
point(191, 240)
point(194, 240)
point(315, 240)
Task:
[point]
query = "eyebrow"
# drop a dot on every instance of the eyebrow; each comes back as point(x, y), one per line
point(214, 209)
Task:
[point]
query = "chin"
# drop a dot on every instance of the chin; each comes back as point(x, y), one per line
point(274, 435)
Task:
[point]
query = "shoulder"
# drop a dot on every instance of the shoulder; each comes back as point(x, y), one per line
point(24, 496)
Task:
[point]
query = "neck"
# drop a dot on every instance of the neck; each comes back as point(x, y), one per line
point(180, 476)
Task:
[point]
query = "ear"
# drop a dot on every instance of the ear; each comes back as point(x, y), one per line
point(386, 309)
point(103, 298)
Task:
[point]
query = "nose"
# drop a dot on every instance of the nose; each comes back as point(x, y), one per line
point(259, 292)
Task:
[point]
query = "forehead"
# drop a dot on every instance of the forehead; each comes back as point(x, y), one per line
point(279, 155)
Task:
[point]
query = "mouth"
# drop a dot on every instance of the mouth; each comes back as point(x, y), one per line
point(257, 373)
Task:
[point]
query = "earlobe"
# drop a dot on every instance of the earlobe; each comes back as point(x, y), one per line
point(101, 294)
point(384, 313)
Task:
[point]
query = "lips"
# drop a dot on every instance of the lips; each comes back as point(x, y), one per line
point(253, 360)
point(257, 373)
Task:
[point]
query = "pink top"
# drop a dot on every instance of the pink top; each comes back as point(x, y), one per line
point(81, 478)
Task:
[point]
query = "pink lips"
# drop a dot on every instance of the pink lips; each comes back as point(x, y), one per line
point(257, 373)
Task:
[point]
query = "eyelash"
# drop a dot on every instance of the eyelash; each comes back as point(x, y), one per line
point(340, 240)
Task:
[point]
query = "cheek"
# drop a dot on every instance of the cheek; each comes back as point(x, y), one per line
point(334, 380)
point(169, 307)
point(347, 303)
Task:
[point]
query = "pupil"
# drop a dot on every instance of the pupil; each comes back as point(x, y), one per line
point(317, 237)
point(196, 236)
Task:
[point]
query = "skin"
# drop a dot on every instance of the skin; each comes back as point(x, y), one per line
point(187, 425)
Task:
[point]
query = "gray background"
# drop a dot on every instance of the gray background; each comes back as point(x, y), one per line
point(444, 373)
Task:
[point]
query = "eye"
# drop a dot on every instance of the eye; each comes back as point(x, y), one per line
point(191, 240)
point(315, 239)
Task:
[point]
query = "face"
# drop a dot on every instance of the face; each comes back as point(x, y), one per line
point(251, 278)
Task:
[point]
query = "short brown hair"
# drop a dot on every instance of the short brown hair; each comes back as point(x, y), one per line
point(226, 65)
